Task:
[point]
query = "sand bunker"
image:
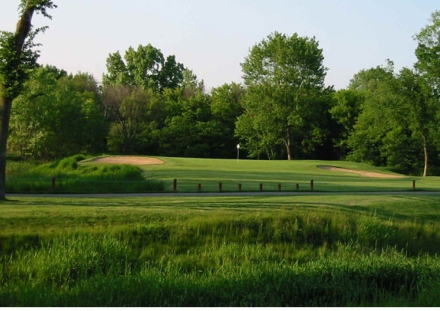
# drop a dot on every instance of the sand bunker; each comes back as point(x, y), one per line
point(134, 160)
point(362, 173)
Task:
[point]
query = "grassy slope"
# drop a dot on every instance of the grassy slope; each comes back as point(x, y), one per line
point(250, 173)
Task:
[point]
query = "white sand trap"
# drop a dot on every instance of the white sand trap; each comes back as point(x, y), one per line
point(134, 160)
point(362, 173)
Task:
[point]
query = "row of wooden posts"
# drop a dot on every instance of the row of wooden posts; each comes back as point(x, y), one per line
point(220, 186)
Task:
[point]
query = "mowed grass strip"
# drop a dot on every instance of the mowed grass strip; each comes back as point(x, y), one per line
point(189, 173)
point(35, 214)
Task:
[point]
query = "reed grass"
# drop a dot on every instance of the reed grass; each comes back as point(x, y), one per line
point(217, 252)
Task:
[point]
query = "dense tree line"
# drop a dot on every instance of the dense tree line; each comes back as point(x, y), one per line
point(153, 105)
point(60, 114)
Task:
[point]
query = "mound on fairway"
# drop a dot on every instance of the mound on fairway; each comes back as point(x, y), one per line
point(362, 173)
point(133, 160)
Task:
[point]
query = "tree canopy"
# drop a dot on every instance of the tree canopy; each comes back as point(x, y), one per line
point(57, 115)
point(284, 76)
point(428, 51)
point(144, 67)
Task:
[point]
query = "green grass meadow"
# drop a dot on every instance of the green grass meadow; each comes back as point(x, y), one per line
point(356, 249)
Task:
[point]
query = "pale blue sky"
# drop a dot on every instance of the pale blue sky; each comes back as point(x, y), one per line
point(212, 37)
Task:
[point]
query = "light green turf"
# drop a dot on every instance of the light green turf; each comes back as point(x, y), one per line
point(251, 173)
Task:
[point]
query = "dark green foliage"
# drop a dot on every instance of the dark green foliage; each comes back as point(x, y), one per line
point(144, 67)
point(396, 125)
point(57, 115)
point(190, 130)
point(428, 45)
point(134, 115)
point(344, 111)
point(286, 104)
point(226, 107)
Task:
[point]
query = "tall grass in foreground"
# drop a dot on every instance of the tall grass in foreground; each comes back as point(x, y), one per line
point(294, 258)
point(66, 176)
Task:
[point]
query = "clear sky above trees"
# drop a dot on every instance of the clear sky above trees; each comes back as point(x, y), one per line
point(213, 37)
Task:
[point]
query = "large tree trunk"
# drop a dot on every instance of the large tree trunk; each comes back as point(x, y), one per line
point(289, 145)
point(21, 33)
point(5, 112)
point(425, 150)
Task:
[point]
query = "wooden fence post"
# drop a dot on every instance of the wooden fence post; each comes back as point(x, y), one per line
point(297, 187)
point(261, 187)
point(220, 187)
point(175, 185)
point(53, 183)
point(279, 187)
point(311, 185)
point(414, 185)
point(239, 187)
point(199, 187)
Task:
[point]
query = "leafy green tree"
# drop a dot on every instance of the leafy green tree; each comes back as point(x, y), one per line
point(397, 125)
point(17, 56)
point(135, 114)
point(375, 128)
point(344, 111)
point(427, 52)
point(257, 129)
point(135, 92)
point(284, 103)
point(226, 107)
point(191, 86)
point(174, 99)
point(421, 111)
point(57, 115)
point(145, 67)
point(370, 80)
point(189, 129)
point(428, 67)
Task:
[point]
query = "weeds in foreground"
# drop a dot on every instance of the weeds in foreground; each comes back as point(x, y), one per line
point(290, 259)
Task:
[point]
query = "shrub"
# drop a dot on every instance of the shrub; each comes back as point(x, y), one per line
point(70, 177)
